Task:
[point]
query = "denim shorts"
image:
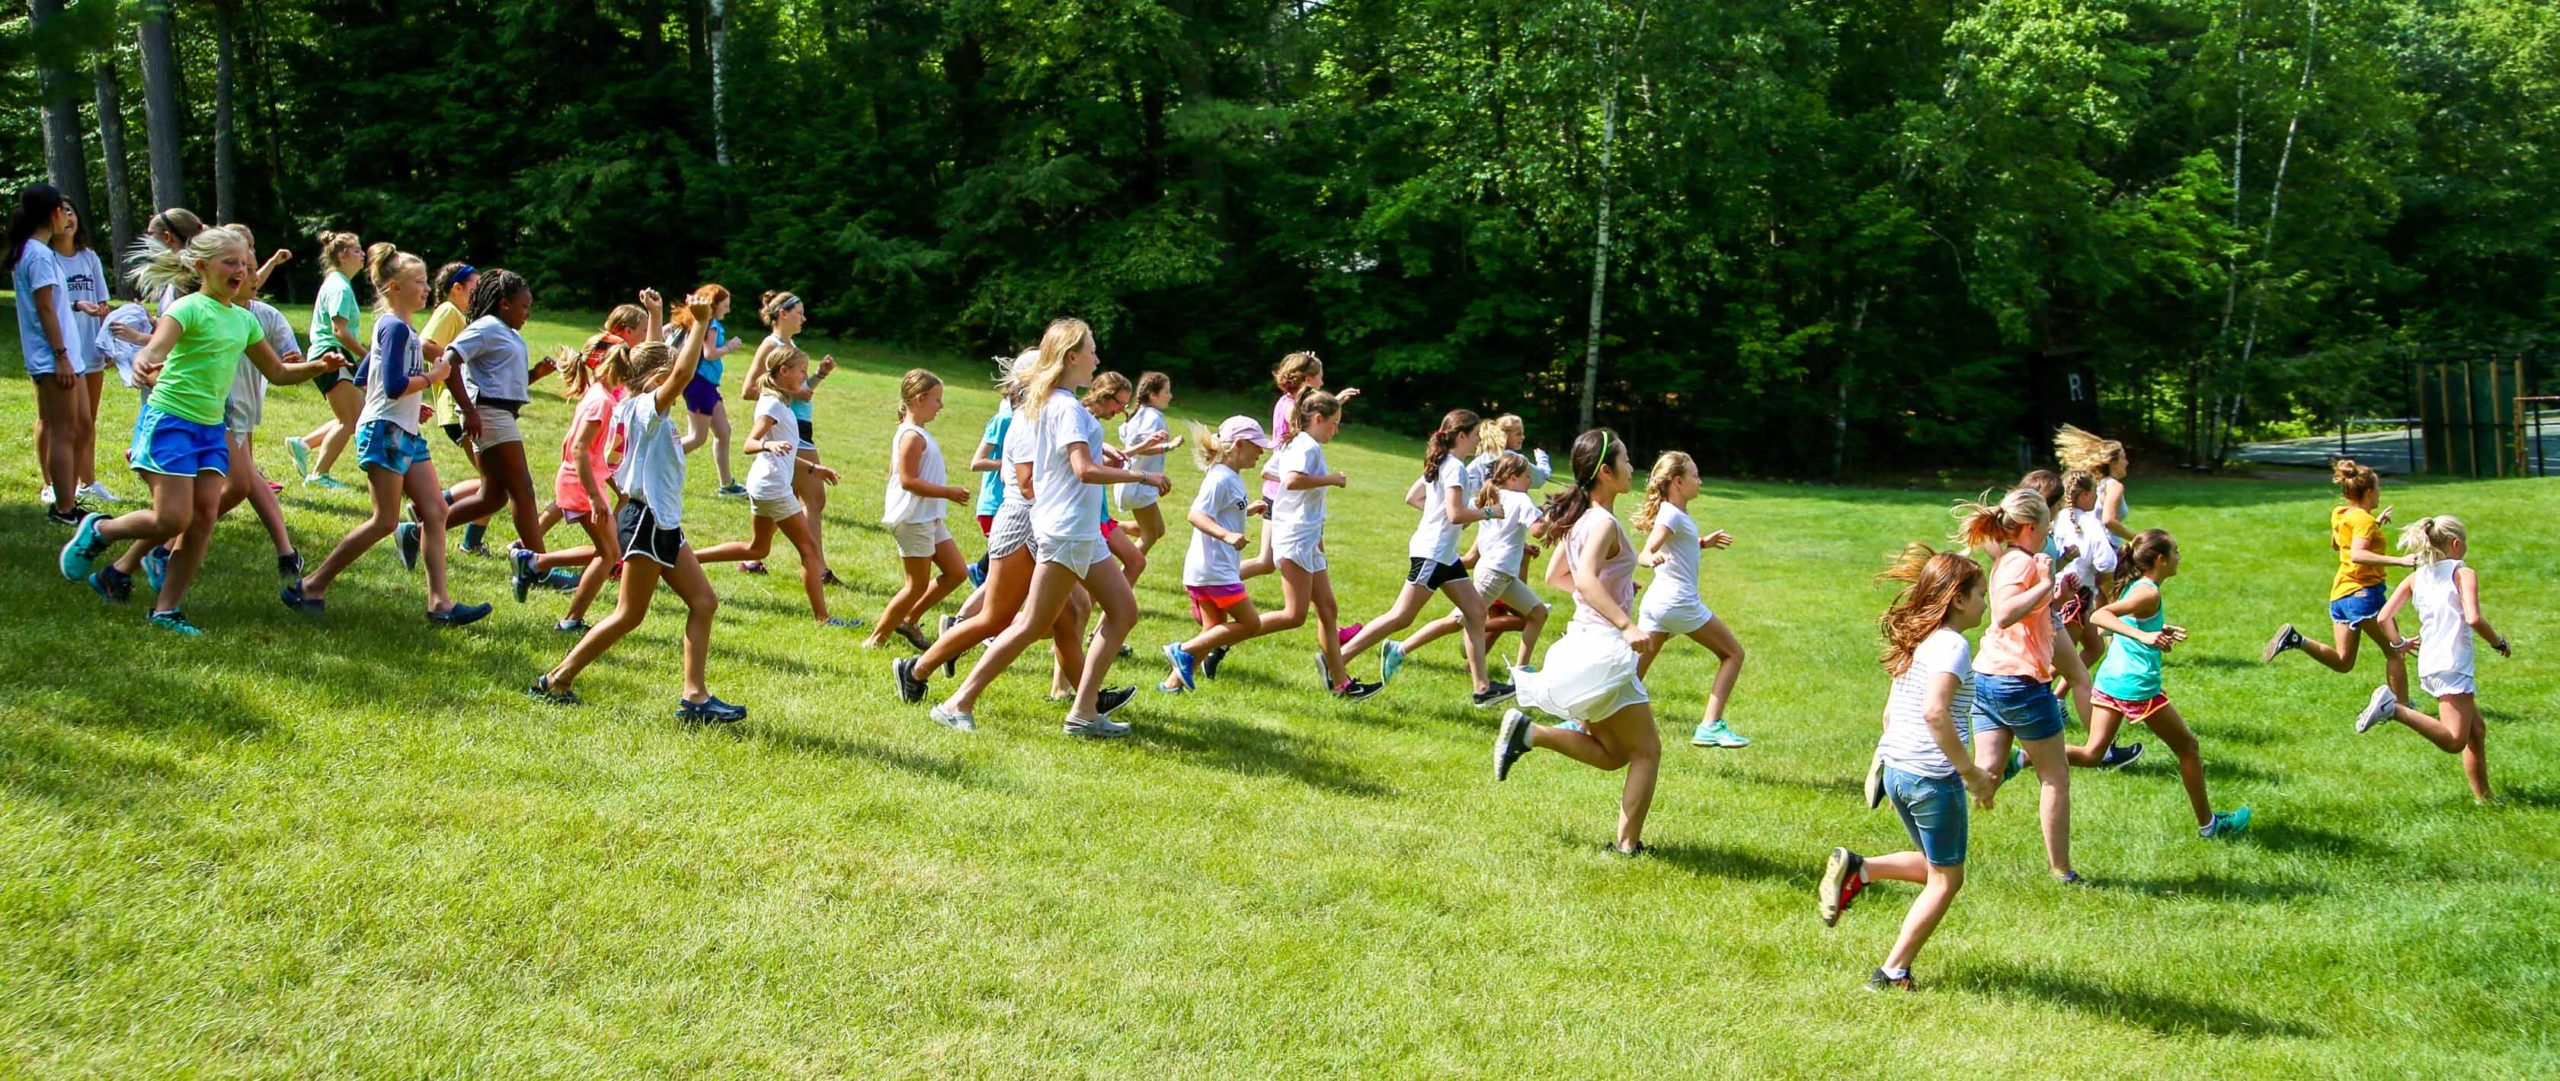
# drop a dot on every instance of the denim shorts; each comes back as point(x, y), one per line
point(2357, 607)
point(2023, 705)
point(1934, 811)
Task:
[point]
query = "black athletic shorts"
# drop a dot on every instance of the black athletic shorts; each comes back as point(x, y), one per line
point(1432, 574)
point(636, 526)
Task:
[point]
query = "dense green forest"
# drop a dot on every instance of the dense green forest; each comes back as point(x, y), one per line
point(1814, 235)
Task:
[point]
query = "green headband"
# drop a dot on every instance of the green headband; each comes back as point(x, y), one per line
point(1603, 463)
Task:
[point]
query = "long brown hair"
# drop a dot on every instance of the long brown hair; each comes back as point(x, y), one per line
point(1932, 584)
point(1657, 486)
point(1987, 526)
point(1444, 440)
point(1592, 452)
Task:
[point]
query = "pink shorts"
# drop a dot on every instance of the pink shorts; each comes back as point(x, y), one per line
point(570, 495)
point(1110, 526)
point(2133, 711)
point(1219, 598)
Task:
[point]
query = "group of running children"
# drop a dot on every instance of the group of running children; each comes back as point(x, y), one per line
point(2073, 595)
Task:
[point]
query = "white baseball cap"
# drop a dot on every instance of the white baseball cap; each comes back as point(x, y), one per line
point(1243, 428)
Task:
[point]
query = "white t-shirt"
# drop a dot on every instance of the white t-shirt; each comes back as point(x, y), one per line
point(2444, 639)
point(1064, 507)
point(1907, 744)
point(1211, 561)
point(493, 361)
point(396, 358)
point(652, 469)
point(1143, 421)
point(769, 476)
point(1017, 450)
point(2097, 546)
point(39, 268)
point(85, 279)
point(118, 351)
point(1676, 580)
point(248, 384)
point(1500, 542)
point(1435, 539)
point(1298, 513)
point(899, 506)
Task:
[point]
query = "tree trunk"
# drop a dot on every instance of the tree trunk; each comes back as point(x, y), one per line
point(160, 102)
point(2267, 242)
point(66, 162)
point(1599, 260)
point(719, 32)
point(119, 180)
point(261, 49)
point(226, 143)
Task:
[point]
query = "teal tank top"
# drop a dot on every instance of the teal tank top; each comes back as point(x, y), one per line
point(2131, 670)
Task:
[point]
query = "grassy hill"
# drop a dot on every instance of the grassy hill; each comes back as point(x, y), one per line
point(358, 849)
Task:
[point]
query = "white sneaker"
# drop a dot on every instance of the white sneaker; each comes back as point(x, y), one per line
point(98, 491)
point(2377, 710)
point(46, 495)
point(1095, 728)
point(952, 719)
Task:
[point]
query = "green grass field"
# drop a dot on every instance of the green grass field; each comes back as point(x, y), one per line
point(357, 848)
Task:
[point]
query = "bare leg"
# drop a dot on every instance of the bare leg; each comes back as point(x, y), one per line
point(1150, 529)
point(1409, 601)
point(187, 555)
point(804, 539)
point(385, 486)
point(631, 608)
point(427, 501)
point(1008, 585)
point(2462, 731)
point(2103, 724)
point(1623, 739)
point(1050, 583)
point(2173, 731)
point(330, 439)
point(700, 604)
point(1720, 641)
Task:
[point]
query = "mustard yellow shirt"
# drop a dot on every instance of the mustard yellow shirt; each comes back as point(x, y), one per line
point(442, 327)
point(2345, 525)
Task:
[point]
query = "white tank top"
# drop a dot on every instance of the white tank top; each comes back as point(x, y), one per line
point(2444, 640)
point(898, 505)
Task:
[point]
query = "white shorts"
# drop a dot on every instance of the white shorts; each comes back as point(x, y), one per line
point(1675, 616)
point(2440, 684)
point(917, 540)
point(1012, 531)
point(1134, 496)
point(1078, 554)
point(1589, 676)
point(497, 427)
point(1305, 550)
point(1497, 586)
point(778, 508)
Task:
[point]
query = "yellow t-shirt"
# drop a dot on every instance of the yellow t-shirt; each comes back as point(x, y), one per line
point(2345, 525)
point(444, 325)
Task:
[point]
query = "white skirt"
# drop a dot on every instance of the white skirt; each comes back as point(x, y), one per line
point(1662, 612)
point(1588, 676)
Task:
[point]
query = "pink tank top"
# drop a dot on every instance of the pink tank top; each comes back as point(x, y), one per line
point(1279, 433)
point(1617, 573)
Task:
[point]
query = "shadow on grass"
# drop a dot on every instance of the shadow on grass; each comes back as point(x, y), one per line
point(2540, 799)
point(2165, 1014)
point(947, 768)
point(1256, 752)
point(77, 775)
point(2212, 886)
point(1708, 860)
point(1841, 786)
point(2296, 838)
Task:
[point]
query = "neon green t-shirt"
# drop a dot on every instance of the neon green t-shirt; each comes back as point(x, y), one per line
point(212, 335)
point(337, 300)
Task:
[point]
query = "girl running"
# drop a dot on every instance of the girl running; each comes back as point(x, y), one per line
point(45, 341)
point(591, 448)
point(1590, 676)
point(2356, 593)
point(1928, 772)
point(392, 451)
point(1671, 604)
point(1509, 432)
point(1107, 398)
point(785, 314)
point(2446, 592)
point(1066, 532)
point(178, 443)
point(335, 319)
point(708, 413)
point(2128, 683)
point(1211, 571)
point(1010, 565)
point(451, 286)
point(1296, 373)
point(241, 412)
point(650, 527)
point(773, 442)
point(1500, 552)
point(912, 509)
point(2104, 459)
point(1297, 538)
point(2067, 664)
point(2013, 691)
point(2092, 551)
point(1146, 424)
point(1432, 559)
point(495, 378)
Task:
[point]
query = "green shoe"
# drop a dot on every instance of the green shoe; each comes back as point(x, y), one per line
point(325, 483)
point(1715, 734)
point(176, 622)
point(2226, 824)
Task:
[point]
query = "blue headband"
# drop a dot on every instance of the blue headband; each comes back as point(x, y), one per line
point(466, 272)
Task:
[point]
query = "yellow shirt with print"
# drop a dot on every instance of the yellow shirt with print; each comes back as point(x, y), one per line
point(2345, 525)
point(442, 328)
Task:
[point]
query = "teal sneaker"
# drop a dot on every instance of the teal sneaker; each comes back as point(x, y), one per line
point(301, 456)
point(2226, 824)
point(155, 566)
point(1390, 661)
point(1715, 734)
point(80, 553)
point(175, 622)
point(325, 483)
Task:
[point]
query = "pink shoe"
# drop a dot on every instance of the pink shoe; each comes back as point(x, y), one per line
point(1344, 635)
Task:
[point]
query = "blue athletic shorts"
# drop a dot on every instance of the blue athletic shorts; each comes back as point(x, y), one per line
point(1934, 811)
point(2024, 706)
point(170, 444)
point(384, 445)
point(2359, 606)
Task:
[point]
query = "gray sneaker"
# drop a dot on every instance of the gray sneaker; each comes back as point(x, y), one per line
point(952, 719)
point(1095, 728)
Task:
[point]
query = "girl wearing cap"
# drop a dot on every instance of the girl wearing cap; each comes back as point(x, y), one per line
point(1212, 572)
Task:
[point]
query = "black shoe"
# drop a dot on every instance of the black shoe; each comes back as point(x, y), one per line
point(2120, 757)
point(709, 711)
point(306, 606)
point(910, 689)
point(1355, 690)
point(541, 692)
point(1881, 982)
point(114, 585)
point(525, 572)
point(1510, 742)
point(64, 517)
point(289, 565)
point(1209, 664)
point(1112, 698)
point(460, 615)
point(1493, 693)
point(1625, 853)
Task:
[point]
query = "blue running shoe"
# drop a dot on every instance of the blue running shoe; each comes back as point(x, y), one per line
point(1390, 661)
point(709, 711)
point(81, 551)
point(460, 615)
point(978, 573)
point(2226, 824)
point(293, 598)
point(409, 538)
point(114, 585)
point(525, 571)
point(155, 568)
point(175, 621)
point(1184, 666)
point(1715, 734)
